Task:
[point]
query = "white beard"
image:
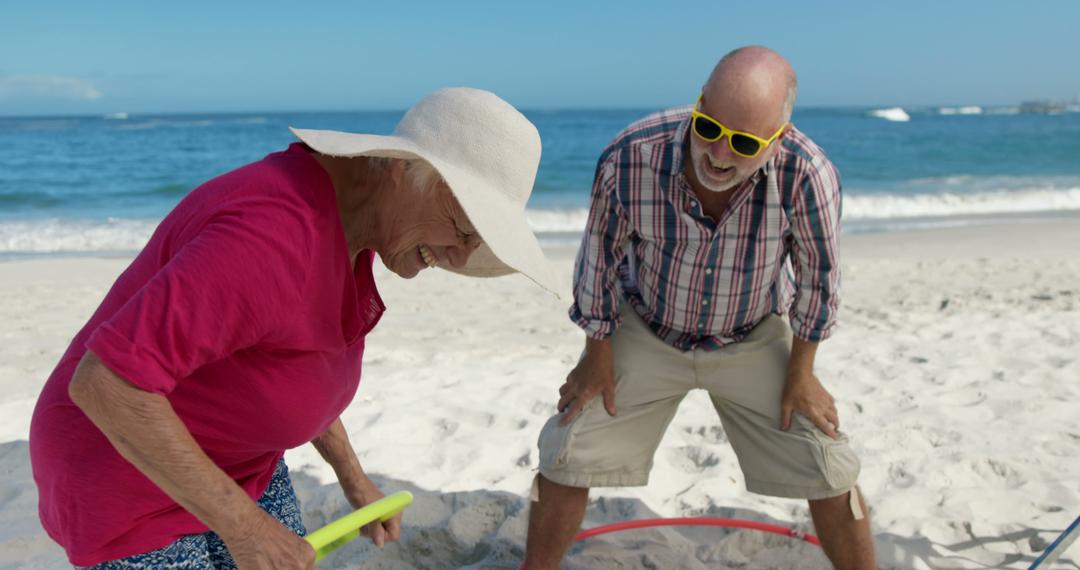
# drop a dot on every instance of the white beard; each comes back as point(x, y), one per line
point(707, 177)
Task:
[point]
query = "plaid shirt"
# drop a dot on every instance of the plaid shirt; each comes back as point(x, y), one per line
point(699, 282)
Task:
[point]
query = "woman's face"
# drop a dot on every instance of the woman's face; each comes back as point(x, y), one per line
point(427, 229)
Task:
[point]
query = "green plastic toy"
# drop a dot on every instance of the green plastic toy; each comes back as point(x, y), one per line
point(332, 536)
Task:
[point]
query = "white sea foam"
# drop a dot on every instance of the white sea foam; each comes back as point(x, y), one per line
point(892, 206)
point(557, 220)
point(74, 236)
point(968, 110)
point(896, 114)
point(120, 235)
point(880, 207)
point(862, 212)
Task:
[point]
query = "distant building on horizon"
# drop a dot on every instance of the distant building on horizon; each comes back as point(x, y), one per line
point(1051, 106)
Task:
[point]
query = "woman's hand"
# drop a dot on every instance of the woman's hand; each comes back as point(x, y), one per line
point(361, 491)
point(268, 544)
point(333, 445)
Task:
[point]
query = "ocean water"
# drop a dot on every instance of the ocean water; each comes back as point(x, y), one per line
point(93, 185)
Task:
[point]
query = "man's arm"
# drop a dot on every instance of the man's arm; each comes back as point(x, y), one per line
point(815, 226)
point(815, 255)
point(145, 430)
point(334, 446)
point(596, 301)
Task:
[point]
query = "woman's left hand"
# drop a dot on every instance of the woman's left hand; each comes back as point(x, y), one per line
point(335, 448)
point(361, 492)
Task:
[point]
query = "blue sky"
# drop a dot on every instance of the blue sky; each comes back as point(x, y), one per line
point(138, 57)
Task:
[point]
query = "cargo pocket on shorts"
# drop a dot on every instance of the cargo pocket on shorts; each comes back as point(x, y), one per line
point(840, 465)
point(554, 443)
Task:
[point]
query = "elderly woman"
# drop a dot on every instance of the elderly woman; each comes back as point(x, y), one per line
point(238, 333)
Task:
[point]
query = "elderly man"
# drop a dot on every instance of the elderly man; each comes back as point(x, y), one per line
point(698, 217)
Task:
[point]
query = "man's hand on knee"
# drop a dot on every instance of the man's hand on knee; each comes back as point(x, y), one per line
point(804, 394)
point(595, 374)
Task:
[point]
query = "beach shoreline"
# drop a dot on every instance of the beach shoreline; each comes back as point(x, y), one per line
point(954, 366)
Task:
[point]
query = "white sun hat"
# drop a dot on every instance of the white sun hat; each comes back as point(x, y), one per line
point(487, 152)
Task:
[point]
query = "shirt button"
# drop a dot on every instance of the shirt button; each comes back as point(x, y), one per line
point(708, 271)
point(705, 302)
point(693, 204)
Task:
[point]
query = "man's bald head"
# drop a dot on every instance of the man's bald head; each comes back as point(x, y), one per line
point(754, 82)
point(752, 90)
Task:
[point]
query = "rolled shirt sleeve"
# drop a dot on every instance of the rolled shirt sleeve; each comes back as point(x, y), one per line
point(815, 226)
point(226, 289)
point(596, 298)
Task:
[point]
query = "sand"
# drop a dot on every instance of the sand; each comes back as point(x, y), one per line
point(955, 367)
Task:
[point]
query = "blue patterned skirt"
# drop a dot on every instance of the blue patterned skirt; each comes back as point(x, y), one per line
point(207, 551)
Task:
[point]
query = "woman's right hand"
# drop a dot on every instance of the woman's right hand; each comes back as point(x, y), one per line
point(268, 544)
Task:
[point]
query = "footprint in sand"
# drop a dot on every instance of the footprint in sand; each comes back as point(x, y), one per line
point(447, 427)
point(707, 434)
point(694, 458)
point(962, 397)
point(900, 477)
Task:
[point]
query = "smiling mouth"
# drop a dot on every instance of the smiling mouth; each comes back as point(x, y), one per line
point(718, 170)
point(427, 255)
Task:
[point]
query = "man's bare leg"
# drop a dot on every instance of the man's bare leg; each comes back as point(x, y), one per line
point(553, 522)
point(846, 541)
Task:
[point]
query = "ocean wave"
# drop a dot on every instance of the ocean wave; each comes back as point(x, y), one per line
point(40, 124)
point(61, 235)
point(877, 207)
point(563, 220)
point(22, 200)
point(895, 114)
point(969, 184)
point(163, 123)
point(170, 190)
point(892, 206)
point(862, 212)
point(57, 235)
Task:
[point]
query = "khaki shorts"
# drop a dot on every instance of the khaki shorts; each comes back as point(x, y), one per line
point(745, 382)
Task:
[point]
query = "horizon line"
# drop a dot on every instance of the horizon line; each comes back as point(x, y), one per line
point(553, 109)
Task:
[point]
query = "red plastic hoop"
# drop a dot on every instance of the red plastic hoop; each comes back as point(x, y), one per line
point(695, 521)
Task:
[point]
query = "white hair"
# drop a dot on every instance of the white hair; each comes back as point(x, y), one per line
point(789, 98)
point(419, 173)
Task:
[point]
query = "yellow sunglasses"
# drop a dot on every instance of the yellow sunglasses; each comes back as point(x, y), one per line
point(742, 143)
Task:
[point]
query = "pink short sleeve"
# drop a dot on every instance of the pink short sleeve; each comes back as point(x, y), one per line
point(231, 285)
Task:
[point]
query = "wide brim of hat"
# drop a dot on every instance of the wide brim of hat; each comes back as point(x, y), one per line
point(509, 244)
